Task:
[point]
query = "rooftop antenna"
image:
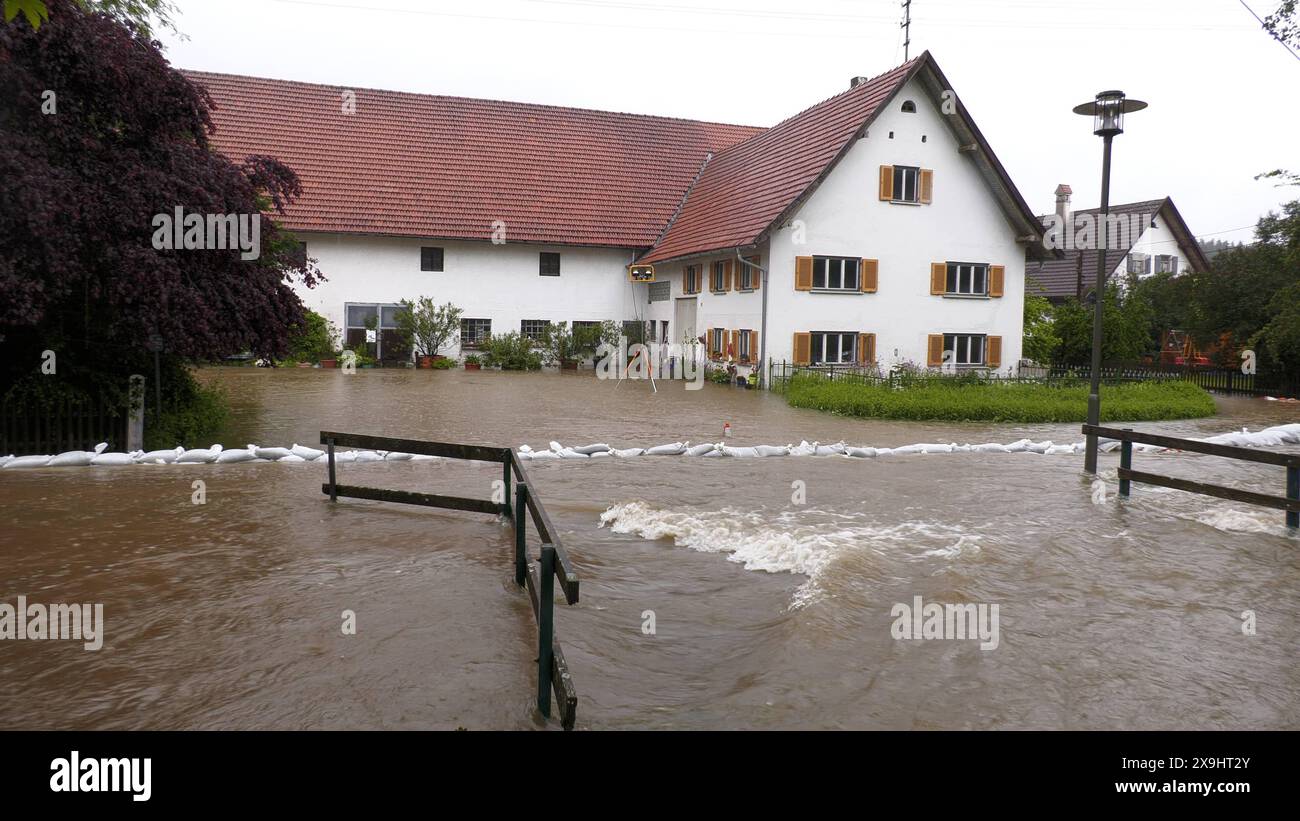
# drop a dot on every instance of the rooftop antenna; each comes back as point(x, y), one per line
point(906, 26)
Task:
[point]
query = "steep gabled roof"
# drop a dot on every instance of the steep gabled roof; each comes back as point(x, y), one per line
point(1075, 272)
point(753, 186)
point(432, 166)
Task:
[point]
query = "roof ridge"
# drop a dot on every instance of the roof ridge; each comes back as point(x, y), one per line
point(188, 72)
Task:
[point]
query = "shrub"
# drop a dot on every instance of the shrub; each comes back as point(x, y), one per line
point(511, 352)
point(312, 340)
point(444, 364)
point(958, 399)
point(427, 327)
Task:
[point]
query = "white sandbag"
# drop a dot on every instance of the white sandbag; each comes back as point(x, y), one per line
point(1018, 446)
point(292, 458)
point(200, 455)
point(740, 453)
point(556, 447)
point(884, 451)
point(525, 449)
point(935, 447)
point(72, 459)
point(545, 454)
point(771, 450)
point(600, 454)
point(345, 456)
point(424, 457)
point(1038, 447)
point(368, 456)
point(990, 447)
point(524, 455)
point(394, 456)
point(302, 451)
point(235, 455)
point(836, 449)
point(716, 453)
point(154, 457)
point(592, 450)
point(860, 453)
point(28, 462)
point(802, 449)
point(675, 449)
point(627, 453)
point(905, 449)
point(570, 453)
point(4, 460)
point(270, 454)
point(1058, 449)
point(701, 449)
point(112, 459)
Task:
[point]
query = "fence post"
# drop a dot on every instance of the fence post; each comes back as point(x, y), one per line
point(545, 629)
point(135, 413)
point(521, 533)
point(1125, 463)
point(506, 473)
point(1293, 493)
point(333, 490)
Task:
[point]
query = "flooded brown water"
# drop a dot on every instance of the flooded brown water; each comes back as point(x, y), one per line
point(768, 614)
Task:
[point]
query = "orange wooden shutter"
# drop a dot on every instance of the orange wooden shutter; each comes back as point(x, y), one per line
point(997, 277)
point(934, 356)
point(868, 277)
point(938, 277)
point(686, 285)
point(886, 182)
point(802, 348)
point(803, 274)
point(755, 275)
point(866, 349)
point(753, 348)
point(993, 354)
point(727, 280)
point(708, 343)
point(731, 344)
point(927, 185)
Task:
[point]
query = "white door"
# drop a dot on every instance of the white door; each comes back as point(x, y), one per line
point(684, 320)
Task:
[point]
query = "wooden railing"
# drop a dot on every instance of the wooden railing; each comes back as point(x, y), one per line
point(1290, 502)
point(537, 577)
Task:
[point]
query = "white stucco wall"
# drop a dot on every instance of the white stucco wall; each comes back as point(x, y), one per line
point(844, 216)
point(497, 282)
point(1156, 239)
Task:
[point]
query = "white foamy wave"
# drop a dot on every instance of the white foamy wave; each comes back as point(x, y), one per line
point(1235, 520)
point(791, 542)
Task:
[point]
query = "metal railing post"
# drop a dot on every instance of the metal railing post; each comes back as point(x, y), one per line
point(545, 628)
point(506, 473)
point(1293, 493)
point(333, 489)
point(521, 533)
point(1125, 463)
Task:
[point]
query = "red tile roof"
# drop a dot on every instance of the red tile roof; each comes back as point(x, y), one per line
point(745, 188)
point(431, 166)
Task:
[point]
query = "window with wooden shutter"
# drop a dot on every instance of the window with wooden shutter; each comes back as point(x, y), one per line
point(870, 275)
point(866, 349)
point(938, 277)
point(730, 279)
point(802, 348)
point(927, 185)
point(886, 182)
point(993, 352)
point(708, 343)
point(934, 351)
point(803, 273)
point(753, 348)
point(997, 279)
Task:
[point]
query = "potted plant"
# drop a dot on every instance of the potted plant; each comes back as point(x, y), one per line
point(559, 346)
point(427, 327)
point(473, 363)
point(332, 362)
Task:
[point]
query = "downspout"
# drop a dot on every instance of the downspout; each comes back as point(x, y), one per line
point(762, 333)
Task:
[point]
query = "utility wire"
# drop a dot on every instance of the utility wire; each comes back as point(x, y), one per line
point(1285, 45)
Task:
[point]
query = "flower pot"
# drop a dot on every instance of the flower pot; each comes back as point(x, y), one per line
point(329, 363)
point(426, 362)
point(473, 366)
point(569, 365)
point(304, 364)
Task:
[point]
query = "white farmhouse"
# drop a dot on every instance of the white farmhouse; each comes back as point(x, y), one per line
point(875, 227)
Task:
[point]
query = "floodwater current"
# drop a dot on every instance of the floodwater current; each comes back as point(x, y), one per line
point(711, 598)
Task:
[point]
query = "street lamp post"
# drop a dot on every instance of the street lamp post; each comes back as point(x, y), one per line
point(1107, 111)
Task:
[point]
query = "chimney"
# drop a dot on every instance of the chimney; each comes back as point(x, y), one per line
point(854, 82)
point(1063, 193)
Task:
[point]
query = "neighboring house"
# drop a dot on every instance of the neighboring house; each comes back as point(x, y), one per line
point(1146, 238)
point(887, 229)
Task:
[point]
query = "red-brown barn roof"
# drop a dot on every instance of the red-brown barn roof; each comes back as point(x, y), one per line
point(432, 166)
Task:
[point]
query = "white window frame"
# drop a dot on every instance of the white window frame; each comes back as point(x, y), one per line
point(537, 335)
point(473, 343)
point(960, 346)
point(905, 176)
point(744, 337)
point(836, 269)
point(966, 275)
point(693, 273)
point(840, 358)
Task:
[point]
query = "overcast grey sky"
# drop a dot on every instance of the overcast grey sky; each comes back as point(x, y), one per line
point(1222, 92)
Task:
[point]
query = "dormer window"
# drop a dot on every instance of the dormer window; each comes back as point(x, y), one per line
point(909, 107)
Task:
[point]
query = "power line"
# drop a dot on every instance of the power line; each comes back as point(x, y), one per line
point(1266, 28)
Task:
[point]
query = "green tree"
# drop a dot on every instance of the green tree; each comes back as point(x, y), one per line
point(1127, 318)
point(426, 327)
point(1040, 337)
